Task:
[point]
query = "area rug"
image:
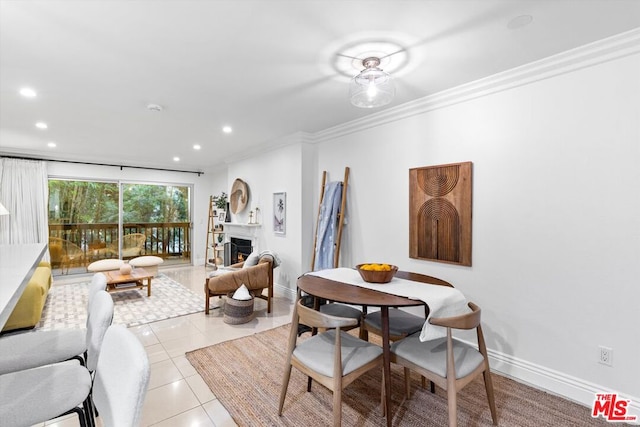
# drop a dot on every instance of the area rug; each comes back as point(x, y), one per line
point(246, 376)
point(66, 305)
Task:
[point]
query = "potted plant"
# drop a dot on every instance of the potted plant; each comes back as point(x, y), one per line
point(221, 205)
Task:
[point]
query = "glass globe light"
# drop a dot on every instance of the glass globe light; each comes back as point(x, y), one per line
point(372, 87)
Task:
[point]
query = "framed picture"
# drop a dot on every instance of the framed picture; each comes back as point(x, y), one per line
point(440, 213)
point(279, 213)
point(221, 216)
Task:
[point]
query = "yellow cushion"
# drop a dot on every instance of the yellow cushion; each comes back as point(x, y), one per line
point(28, 310)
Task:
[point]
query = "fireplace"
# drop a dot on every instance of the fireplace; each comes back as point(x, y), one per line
point(236, 250)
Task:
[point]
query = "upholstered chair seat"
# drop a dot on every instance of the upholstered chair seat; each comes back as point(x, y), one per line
point(432, 355)
point(317, 353)
point(448, 362)
point(61, 388)
point(30, 350)
point(401, 323)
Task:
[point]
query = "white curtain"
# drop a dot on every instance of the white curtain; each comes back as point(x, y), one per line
point(24, 191)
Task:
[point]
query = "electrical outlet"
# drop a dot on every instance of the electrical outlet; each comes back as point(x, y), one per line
point(606, 356)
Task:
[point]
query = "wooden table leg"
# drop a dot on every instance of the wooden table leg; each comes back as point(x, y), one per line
point(386, 361)
point(149, 287)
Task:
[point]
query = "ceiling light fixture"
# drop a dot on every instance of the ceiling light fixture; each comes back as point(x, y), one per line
point(372, 87)
point(27, 92)
point(41, 125)
point(176, 159)
point(196, 146)
point(51, 144)
point(227, 129)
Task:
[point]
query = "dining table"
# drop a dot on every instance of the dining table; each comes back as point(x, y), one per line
point(343, 286)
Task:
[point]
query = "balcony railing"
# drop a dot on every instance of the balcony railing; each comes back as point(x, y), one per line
point(170, 240)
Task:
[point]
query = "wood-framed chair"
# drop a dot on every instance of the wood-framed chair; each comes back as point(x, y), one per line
point(449, 363)
point(332, 358)
point(65, 254)
point(401, 323)
point(132, 245)
point(255, 277)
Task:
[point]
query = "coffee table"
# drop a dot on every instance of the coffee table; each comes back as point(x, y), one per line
point(116, 280)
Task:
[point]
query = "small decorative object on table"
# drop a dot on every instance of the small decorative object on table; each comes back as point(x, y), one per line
point(377, 273)
point(126, 269)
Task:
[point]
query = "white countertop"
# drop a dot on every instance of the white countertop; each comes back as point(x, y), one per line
point(17, 264)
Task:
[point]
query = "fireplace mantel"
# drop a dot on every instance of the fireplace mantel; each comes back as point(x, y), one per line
point(239, 225)
point(242, 231)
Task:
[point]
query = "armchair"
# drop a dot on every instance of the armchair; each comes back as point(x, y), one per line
point(256, 278)
point(65, 254)
point(132, 245)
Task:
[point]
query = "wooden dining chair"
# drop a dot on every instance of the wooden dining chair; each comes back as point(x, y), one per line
point(401, 323)
point(449, 363)
point(333, 358)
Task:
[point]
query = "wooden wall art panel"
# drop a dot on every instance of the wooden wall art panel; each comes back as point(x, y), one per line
point(440, 213)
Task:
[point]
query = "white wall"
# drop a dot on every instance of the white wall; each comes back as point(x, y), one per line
point(279, 170)
point(202, 188)
point(556, 217)
point(556, 210)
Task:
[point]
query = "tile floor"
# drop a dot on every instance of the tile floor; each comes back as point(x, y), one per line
point(177, 395)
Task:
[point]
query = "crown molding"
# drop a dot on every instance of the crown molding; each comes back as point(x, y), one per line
point(611, 48)
point(275, 144)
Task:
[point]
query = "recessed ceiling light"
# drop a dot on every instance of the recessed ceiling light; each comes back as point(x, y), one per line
point(41, 125)
point(176, 159)
point(196, 146)
point(227, 129)
point(27, 92)
point(154, 107)
point(51, 144)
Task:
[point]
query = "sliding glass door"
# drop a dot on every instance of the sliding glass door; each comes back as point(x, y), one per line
point(89, 221)
point(161, 213)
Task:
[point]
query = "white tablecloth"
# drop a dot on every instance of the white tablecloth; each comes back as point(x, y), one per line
point(443, 301)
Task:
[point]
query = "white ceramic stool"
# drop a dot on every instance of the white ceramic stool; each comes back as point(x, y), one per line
point(148, 262)
point(105, 265)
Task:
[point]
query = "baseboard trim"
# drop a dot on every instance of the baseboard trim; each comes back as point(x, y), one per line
point(554, 382)
point(284, 291)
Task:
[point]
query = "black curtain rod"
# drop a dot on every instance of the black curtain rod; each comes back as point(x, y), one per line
point(101, 164)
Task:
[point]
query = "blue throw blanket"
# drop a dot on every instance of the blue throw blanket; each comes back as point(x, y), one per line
point(327, 226)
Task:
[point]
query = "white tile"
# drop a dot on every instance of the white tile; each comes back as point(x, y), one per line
point(168, 401)
point(175, 328)
point(184, 366)
point(219, 414)
point(65, 421)
point(196, 417)
point(156, 353)
point(145, 335)
point(200, 388)
point(180, 346)
point(162, 373)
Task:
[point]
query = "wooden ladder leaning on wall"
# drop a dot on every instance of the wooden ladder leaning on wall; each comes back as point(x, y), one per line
point(340, 219)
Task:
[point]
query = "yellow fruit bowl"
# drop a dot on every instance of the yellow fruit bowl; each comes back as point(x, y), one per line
point(377, 273)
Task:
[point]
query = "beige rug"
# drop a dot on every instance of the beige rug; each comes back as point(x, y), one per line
point(66, 305)
point(246, 376)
